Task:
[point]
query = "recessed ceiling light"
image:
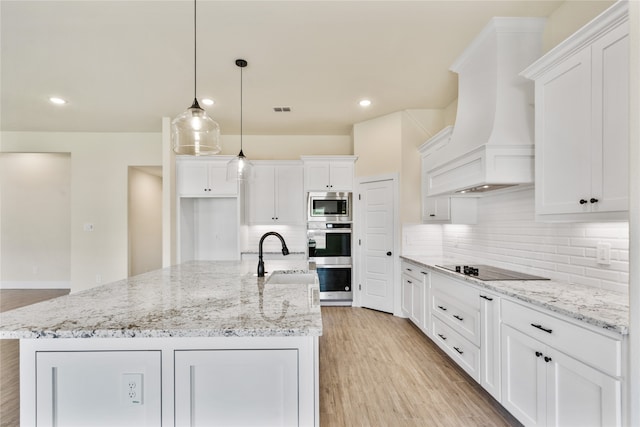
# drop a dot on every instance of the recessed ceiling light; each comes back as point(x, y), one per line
point(57, 101)
point(207, 101)
point(365, 103)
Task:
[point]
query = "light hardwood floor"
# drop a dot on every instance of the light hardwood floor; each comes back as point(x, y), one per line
point(375, 370)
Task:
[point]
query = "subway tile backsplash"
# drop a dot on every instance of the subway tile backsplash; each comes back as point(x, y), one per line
point(507, 236)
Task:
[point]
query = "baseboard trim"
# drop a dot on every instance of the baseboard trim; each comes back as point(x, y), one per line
point(48, 284)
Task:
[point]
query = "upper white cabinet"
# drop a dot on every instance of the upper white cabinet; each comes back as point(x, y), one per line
point(582, 122)
point(328, 173)
point(275, 193)
point(205, 177)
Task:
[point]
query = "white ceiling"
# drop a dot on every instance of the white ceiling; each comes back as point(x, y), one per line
point(125, 64)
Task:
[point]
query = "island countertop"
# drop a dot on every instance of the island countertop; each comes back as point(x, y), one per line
point(194, 299)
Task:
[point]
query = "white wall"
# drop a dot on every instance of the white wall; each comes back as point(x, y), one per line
point(145, 220)
point(35, 220)
point(99, 179)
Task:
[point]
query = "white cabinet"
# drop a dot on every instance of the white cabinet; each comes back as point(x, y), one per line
point(490, 343)
point(450, 210)
point(415, 291)
point(555, 373)
point(197, 177)
point(582, 122)
point(213, 387)
point(275, 193)
point(328, 173)
point(72, 392)
point(455, 309)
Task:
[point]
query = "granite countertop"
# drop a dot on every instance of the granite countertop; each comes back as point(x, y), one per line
point(194, 299)
point(598, 307)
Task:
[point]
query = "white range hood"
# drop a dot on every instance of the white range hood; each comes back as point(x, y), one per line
point(492, 144)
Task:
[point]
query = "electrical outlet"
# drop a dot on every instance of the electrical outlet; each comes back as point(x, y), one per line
point(132, 388)
point(603, 253)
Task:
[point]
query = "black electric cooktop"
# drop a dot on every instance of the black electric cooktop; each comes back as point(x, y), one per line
point(487, 272)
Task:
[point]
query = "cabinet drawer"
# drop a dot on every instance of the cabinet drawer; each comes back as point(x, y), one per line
point(461, 292)
point(599, 351)
point(459, 349)
point(463, 319)
point(412, 272)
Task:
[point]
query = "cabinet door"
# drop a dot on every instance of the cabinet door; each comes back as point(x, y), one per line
point(523, 377)
point(316, 176)
point(407, 295)
point(289, 197)
point(262, 195)
point(341, 176)
point(72, 392)
point(417, 304)
point(193, 179)
point(563, 135)
point(610, 177)
point(213, 387)
point(578, 395)
point(436, 209)
point(490, 343)
point(220, 183)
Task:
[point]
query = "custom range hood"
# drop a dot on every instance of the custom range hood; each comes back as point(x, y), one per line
point(491, 145)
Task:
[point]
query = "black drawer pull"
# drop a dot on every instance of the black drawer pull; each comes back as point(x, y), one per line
point(442, 308)
point(432, 214)
point(458, 317)
point(442, 336)
point(486, 297)
point(547, 359)
point(538, 354)
point(535, 325)
point(458, 350)
point(409, 281)
point(408, 269)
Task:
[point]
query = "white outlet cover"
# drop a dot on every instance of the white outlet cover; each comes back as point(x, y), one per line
point(132, 388)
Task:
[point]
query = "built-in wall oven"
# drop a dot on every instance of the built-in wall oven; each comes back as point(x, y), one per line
point(329, 247)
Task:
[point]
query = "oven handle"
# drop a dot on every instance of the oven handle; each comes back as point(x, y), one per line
point(330, 231)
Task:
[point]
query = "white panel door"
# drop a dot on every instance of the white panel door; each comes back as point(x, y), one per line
point(215, 388)
point(377, 225)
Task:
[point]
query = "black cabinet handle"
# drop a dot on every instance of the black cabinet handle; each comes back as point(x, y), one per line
point(458, 350)
point(547, 359)
point(442, 308)
point(486, 297)
point(409, 281)
point(432, 214)
point(583, 201)
point(458, 317)
point(593, 200)
point(442, 336)
point(389, 253)
point(538, 354)
point(408, 269)
point(535, 325)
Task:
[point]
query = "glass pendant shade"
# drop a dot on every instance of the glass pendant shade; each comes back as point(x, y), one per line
point(239, 167)
point(195, 133)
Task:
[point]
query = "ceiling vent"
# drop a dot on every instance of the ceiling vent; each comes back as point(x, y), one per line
point(282, 109)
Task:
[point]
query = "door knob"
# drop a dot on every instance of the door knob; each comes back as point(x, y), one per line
point(389, 253)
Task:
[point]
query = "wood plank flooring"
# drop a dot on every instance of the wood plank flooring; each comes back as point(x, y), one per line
point(375, 370)
point(380, 370)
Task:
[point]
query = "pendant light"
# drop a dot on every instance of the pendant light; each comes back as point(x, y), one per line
point(240, 165)
point(194, 132)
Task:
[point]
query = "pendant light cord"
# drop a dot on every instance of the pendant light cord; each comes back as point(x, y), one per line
point(241, 108)
point(195, 50)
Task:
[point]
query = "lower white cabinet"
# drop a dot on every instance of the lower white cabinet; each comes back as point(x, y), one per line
point(490, 343)
point(542, 386)
point(415, 295)
point(215, 387)
point(90, 388)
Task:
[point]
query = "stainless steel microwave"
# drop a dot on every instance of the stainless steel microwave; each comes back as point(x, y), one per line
point(329, 206)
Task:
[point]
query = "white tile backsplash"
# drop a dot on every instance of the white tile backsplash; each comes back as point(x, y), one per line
point(507, 236)
point(294, 235)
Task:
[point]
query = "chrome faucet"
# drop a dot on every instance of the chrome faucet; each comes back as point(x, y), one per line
point(285, 250)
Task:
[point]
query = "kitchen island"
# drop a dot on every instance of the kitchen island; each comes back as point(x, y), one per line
point(200, 343)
